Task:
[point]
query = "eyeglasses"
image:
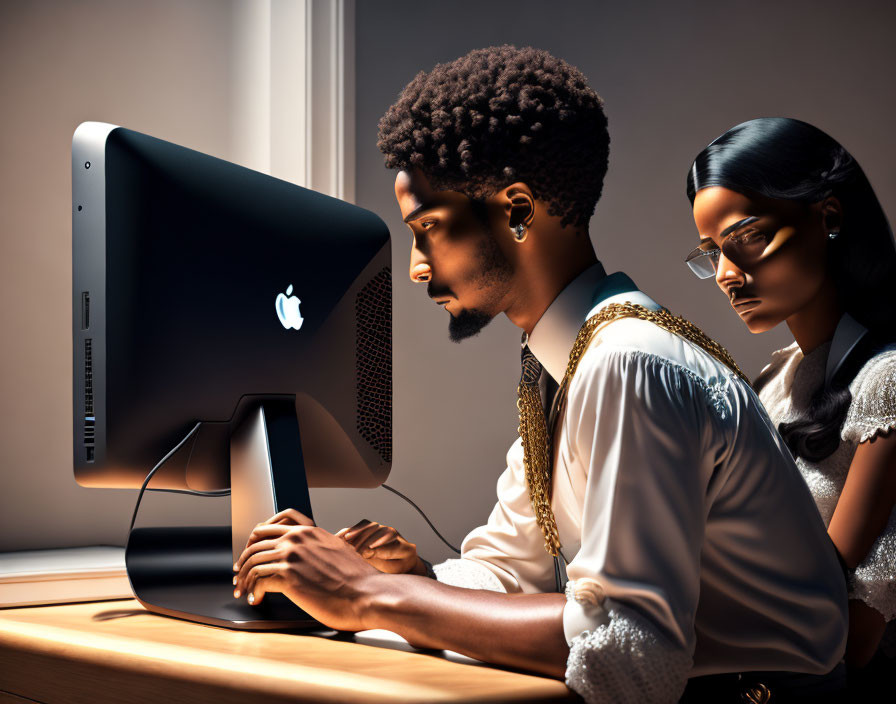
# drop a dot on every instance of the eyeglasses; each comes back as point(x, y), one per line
point(703, 262)
point(743, 250)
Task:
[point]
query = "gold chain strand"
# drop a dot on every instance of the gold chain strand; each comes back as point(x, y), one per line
point(537, 442)
point(536, 462)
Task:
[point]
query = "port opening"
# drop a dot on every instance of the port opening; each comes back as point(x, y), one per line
point(85, 310)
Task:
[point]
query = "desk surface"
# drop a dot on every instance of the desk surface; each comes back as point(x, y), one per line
point(117, 651)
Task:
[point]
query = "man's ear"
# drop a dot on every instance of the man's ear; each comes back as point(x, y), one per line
point(519, 205)
point(832, 214)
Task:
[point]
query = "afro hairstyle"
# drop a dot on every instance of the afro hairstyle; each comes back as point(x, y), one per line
point(501, 115)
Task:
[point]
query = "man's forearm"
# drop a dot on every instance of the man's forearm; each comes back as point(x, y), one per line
point(520, 630)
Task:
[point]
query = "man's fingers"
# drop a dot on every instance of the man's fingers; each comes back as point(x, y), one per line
point(363, 523)
point(263, 531)
point(359, 536)
point(365, 545)
point(266, 557)
point(390, 551)
point(253, 548)
point(259, 533)
point(387, 537)
point(375, 540)
point(291, 516)
point(262, 579)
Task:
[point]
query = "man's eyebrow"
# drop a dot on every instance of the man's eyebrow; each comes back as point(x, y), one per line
point(418, 211)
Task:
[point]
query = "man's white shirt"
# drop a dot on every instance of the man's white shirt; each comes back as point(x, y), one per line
point(672, 490)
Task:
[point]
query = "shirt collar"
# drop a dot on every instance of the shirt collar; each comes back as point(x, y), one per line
point(847, 335)
point(555, 333)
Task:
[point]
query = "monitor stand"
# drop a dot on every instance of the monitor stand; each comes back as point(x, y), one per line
point(187, 572)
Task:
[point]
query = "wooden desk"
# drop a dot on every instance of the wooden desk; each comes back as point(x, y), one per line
point(115, 651)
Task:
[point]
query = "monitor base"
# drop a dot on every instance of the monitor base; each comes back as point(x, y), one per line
point(187, 572)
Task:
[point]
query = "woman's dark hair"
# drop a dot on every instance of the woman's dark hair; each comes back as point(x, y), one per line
point(782, 158)
point(499, 115)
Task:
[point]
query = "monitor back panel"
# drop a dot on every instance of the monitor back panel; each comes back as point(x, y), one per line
point(198, 283)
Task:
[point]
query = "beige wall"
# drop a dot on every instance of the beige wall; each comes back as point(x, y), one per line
point(674, 75)
point(161, 67)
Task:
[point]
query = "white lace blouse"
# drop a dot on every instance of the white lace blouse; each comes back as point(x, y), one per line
point(793, 379)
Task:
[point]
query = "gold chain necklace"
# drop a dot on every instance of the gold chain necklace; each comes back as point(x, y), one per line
point(537, 454)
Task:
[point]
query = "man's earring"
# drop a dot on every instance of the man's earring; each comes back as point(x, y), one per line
point(519, 232)
point(832, 235)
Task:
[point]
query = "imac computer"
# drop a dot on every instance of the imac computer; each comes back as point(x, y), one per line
point(233, 332)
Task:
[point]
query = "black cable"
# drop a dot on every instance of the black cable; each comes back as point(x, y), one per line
point(226, 492)
point(156, 469)
point(434, 529)
point(195, 492)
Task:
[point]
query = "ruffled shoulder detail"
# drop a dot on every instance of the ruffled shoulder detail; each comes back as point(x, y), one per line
point(659, 360)
point(873, 408)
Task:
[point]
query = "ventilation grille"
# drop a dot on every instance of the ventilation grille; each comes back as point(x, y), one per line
point(88, 377)
point(373, 362)
point(89, 417)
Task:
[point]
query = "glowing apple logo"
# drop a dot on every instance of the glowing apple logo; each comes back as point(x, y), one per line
point(288, 310)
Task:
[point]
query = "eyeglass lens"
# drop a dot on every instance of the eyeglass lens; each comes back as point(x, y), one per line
point(743, 250)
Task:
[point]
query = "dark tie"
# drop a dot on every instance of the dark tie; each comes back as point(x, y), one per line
point(550, 391)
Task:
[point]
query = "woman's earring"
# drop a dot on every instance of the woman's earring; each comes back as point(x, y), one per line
point(832, 235)
point(519, 232)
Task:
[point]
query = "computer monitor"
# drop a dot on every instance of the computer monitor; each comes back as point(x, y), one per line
point(211, 298)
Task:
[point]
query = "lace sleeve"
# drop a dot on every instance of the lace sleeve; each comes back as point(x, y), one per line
point(873, 580)
point(873, 412)
point(624, 658)
point(873, 408)
point(468, 574)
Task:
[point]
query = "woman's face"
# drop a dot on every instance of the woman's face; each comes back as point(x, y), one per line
point(769, 255)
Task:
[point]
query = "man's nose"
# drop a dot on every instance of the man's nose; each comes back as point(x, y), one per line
point(420, 270)
point(421, 273)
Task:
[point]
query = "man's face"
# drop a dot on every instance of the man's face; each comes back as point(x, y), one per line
point(454, 253)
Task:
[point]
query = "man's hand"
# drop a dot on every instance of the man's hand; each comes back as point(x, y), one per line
point(321, 573)
point(325, 576)
point(383, 547)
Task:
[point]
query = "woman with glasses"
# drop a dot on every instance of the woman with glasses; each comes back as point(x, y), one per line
point(792, 231)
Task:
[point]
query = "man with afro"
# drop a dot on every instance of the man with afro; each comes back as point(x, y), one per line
point(657, 484)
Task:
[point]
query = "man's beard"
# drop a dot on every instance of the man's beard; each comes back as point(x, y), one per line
point(467, 323)
point(494, 272)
